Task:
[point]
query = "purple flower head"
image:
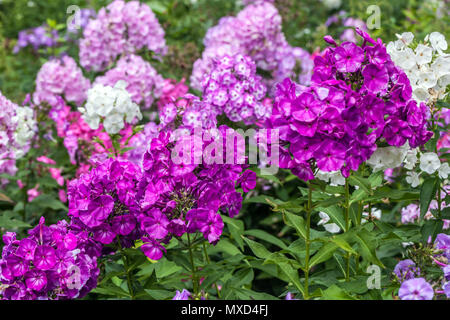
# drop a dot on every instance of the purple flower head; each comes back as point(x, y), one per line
point(406, 269)
point(183, 295)
point(416, 289)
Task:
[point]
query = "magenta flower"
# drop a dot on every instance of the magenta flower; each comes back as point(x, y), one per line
point(123, 225)
point(35, 280)
point(44, 257)
point(375, 78)
point(98, 211)
point(348, 57)
point(152, 249)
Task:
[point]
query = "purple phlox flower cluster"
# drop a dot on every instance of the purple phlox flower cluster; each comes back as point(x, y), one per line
point(294, 62)
point(416, 289)
point(143, 82)
point(53, 262)
point(410, 213)
point(406, 269)
point(39, 37)
point(290, 296)
point(442, 242)
point(120, 28)
point(357, 98)
point(183, 295)
point(178, 197)
point(188, 112)
point(61, 77)
point(103, 202)
point(233, 88)
point(254, 32)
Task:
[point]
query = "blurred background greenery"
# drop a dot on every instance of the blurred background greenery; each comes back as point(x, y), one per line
point(186, 22)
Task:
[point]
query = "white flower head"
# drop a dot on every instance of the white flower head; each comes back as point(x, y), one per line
point(424, 54)
point(111, 106)
point(411, 159)
point(437, 41)
point(413, 178)
point(429, 162)
point(444, 170)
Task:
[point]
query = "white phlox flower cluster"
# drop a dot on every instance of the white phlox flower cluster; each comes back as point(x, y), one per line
point(26, 128)
point(426, 64)
point(111, 106)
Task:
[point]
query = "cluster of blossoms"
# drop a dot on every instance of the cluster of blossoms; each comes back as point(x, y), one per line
point(414, 287)
point(39, 37)
point(171, 91)
point(341, 18)
point(358, 98)
point(79, 138)
point(429, 163)
point(52, 263)
point(111, 106)
point(178, 196)
point(103, 203)
point(254, 32)
point(233, 88)
point(188, 112)
point(165, 199)
point(426, 64)
point(140, 142)
point(61, 78)
point(143, 82)
point(411, 212)
point(120, 28)
point(17, 127)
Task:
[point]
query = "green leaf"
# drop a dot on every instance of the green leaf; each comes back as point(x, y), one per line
point(336, 214)
point(263, 235)
point(258, 249)
point(324, 253)
point(236, 228)
point(361, 182)
point(336, 293)
point(158, 294)
point(341, 243)
point(427, 193)
point(297, 222)
point(367, 244)
point(291, 274)
point(431, 228)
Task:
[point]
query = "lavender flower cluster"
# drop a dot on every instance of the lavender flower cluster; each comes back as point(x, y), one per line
point(358, 98)
point(143, 82)
point(52, 263)
point(61, 77)
point(414, 287)
point(120, 28)
point(39, 37)
point(233, 88)
point(255, 32)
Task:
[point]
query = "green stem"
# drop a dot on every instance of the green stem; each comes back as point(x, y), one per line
point(347, 225)
point(193, 269)
point(127, 269)
point(308, 241)
point(209, 261)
